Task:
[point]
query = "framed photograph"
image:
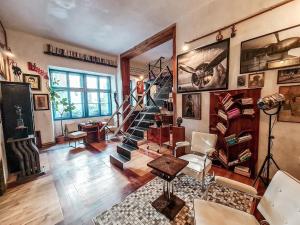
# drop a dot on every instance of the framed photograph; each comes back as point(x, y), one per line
point(140, 87)
point(290, 110)
point(242, 81)
point(41, 102)
point(288, 76)
point(204, 68)
point(271, 51)
point(256, 80)
point(191, 106)
point(33, 80)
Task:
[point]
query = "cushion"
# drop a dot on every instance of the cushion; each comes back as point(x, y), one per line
point(196, 164)
point(211, 213)
point(77, 134)
point(71, 127)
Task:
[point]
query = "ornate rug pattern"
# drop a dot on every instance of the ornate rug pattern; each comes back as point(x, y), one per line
point(136, 209)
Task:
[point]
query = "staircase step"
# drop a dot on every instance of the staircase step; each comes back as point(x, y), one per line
point(133, 140)
point(118, 160)
point(152, 109)
point(143, 123)
point(126, 150)
point(148, 115)
point(137, 131)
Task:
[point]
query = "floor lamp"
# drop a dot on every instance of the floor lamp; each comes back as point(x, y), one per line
point(271, 106)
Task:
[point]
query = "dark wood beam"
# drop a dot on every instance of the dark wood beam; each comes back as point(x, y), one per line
point(152, 42)
point(125, 74)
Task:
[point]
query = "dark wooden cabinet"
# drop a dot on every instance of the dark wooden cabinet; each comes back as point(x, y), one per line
point(12, 94)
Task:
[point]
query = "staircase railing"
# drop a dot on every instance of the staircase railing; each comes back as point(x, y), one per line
point(139, 101)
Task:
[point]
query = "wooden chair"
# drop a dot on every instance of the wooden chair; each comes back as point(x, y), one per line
point(74, 134)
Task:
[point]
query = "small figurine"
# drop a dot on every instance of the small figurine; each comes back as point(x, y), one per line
point(179, 121)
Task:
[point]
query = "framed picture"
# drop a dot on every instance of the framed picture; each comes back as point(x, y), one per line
point(271, 51)
point(290, 111)
point(288, 76)
point(204, 68)
point(191, 106)
point(140, 87)
point(41, 102)
point(256, 80)
point(33, 80)
point(242, 81)
point(3, 64)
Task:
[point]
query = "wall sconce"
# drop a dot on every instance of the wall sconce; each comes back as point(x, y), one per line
point(233, 31)
point(219, 36)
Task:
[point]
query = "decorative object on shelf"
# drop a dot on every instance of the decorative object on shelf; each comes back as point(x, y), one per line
point(41, 102)
point(235, 118)
point(271, 106)
point(233, 31)
point(158, 120)
point(140, 87)
point(290, 110)
point(288, 76)
point(256, 80)
point(33, 80)
point(191, 106)
point(204, 68)
point(38, 70)
point(55, 51)
point(21, 131)
point(219, 36)
point(242, 81)
point(271, 51)
point(179, 121)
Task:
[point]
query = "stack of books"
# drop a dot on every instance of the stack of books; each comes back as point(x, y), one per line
point(247, 101)
point(222, 156)
point(244, 138)
point(244, 156)
point(222, 114)
point(220, 126)
point(227, 101)
point(235, 112)
point(248, 112)
point(231, 139)
point(242, 170)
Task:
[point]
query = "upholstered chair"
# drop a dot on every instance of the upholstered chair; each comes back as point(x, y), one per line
point(74, 134)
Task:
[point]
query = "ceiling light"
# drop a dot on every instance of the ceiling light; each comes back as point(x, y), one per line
point(185, 47)
point(141, 77)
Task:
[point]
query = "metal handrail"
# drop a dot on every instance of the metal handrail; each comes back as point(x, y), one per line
point(139, 101)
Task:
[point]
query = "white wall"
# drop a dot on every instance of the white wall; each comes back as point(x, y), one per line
point(29, 48)
point(220, 13)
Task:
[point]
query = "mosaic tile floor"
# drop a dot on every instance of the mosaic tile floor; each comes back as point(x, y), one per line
point(136, 209)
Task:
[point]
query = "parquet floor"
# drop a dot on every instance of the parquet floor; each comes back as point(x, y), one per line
point(86, 184)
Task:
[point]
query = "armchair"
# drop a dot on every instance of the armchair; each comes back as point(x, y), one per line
point(202, 145)
point(74, 134)
point(279, 205)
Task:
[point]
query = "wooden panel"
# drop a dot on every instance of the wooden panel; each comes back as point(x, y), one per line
point(158, 135)
point(178, 135)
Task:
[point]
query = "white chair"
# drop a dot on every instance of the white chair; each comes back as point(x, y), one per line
point(280, 205)
point(74, 134)
point(199, 165)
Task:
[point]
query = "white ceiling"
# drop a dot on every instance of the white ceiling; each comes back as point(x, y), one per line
point(111, 26)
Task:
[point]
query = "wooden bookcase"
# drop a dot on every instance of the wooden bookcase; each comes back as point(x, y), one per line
point(239, 125)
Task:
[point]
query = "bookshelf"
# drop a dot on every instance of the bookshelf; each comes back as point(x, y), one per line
point(234, 117)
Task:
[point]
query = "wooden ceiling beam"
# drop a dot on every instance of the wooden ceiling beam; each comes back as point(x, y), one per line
point(149, 43)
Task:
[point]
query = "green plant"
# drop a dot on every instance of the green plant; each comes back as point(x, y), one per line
point(61, 105)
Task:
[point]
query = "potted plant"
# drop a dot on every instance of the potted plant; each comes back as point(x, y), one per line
point(61, 106)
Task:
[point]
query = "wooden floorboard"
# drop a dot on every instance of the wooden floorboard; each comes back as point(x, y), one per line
point(87, 184)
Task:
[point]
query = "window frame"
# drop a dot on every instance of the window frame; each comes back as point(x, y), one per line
point(84, 90)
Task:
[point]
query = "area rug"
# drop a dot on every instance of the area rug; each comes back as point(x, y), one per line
point(136, 209)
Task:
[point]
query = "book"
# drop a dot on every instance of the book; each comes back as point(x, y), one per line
point(222, 114)
point(228, 104)
point(222, 156)
point(242, 170)
point(248, 112)
point(244, 138)
point(226, 98)
point(233, 113)
point(221, 127)
point(247, 101)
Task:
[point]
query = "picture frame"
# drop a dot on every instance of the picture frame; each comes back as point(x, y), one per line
point(265, 52)
point(241, 81)
point(191, 106)
point(41, 102)
point(33, 80)
point(204, 69)
point(290, 110)
point(288, 76)
point(256, 80)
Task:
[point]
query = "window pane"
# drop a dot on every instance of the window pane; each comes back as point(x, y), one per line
point(75, 80)
point(104, 83)
point(60, 109)
point(76, 97)
point(93, 109)
point(105, 103)
point(92, 97)
point(78, 111)
point(59, 79)
point(91, 82)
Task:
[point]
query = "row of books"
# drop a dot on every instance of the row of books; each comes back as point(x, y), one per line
point(233, 113)
point(242, 170)
point(222, 114)
point(231, 139)
point(248, 112)
point(223, 156)
point(244, 156)
point(245, 138)
point(227, 101)
point(247, 101)
point(221, 127)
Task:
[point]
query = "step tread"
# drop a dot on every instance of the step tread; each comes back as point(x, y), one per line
point(133, 137)
point(149, 113)
point(139, 128)
point(120, 157)
point(127, 147)
point(145, 120)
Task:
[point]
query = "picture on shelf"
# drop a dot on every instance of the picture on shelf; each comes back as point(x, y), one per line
point(271, 51)
point(191, 106)
point(256, 80)
point(41, 102)
point(290, 110)
point(204, 68)
point(242, 81)
point(288, 76)
point(33, 80)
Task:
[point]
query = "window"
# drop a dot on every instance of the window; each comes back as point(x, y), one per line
point(90, 94)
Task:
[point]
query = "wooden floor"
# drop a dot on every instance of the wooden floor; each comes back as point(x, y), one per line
point(87, 184)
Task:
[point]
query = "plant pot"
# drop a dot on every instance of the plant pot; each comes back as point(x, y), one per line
point(60, 139)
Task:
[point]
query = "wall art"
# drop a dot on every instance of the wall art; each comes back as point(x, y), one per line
point(33, 80)
point(256, 80)
point(191, 106)
point(41, 102)
point(288, 76)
